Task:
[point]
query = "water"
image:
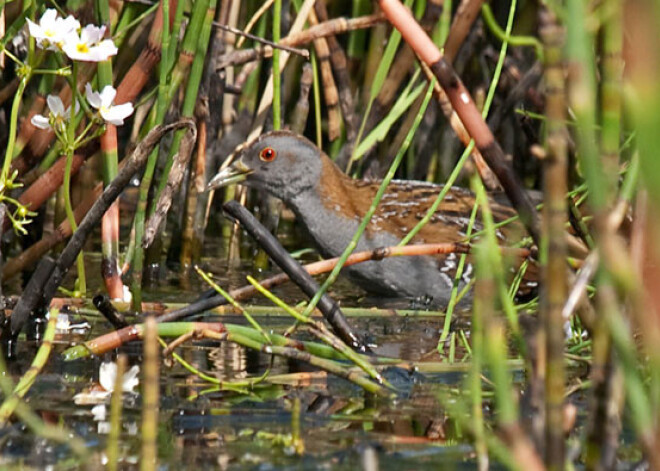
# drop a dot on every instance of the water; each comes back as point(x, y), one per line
point(342, 426)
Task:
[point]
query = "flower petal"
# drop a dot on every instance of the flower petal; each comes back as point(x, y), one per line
point(68, 25)
point(107, 375)
point(81, 51)
point(131, 379)
point(108, 96)
point(55, 105)
point(49, 17)
point(40, 121)
point(92, 34)
point(70, 46)
point(116, 114)
point(67, 113)
point(35, 30)
point(99, 412)
point(93, 97)
point(106, 49)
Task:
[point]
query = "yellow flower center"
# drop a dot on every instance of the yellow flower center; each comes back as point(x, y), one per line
point(82, 47)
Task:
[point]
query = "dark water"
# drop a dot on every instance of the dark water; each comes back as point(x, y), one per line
point(342, 426)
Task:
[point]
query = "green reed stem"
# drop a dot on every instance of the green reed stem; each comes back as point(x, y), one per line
point(504, 36)
point(465, 343)
point(452, 348)
point(296, 435)
point(357, 39)
point(630, 180)
point(248, 99)
point(553, 247)
point(496, 347)
point(517, 280)
point(58, 434)
point(109, 247)
point(13, 123)
point(476, 365)
point(119, 34)
point(317, 101)
point(176, 26)
point(324, 334)
point(201, 35)
point(444, 25)
point(495, 261)
point(66, 185)
point(162, 102)
point(582, 95)
point(206, 277)
point(27, 380)
point(610, 92)
point(453, 298)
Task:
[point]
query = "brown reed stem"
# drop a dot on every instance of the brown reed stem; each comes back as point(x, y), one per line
point(116, 406)
point(150, 396)
point(332, 27)
point(554, 220)
point(467, 13)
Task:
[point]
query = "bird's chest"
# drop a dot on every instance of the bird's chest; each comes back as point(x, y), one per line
point(332, 228)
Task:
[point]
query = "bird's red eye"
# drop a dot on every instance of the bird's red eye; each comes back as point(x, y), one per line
point(267, 154)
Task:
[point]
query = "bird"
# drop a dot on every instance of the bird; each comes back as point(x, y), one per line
point(330, 205)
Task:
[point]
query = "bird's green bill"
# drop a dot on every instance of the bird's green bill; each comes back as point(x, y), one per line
point(235, 173)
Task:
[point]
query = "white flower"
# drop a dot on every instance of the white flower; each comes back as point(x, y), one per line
point(40, 121)
point(108, 373)
point(55, 33)
point(113, 114)
point(51, 30)
point(99, 412)
point(92, 34)
point(89, 46)
point(57, 114)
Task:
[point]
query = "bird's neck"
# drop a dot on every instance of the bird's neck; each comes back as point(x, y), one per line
point(334, 206)
point(335, 190)
point(349, 197)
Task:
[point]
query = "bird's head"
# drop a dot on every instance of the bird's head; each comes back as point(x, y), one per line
point(280, 162)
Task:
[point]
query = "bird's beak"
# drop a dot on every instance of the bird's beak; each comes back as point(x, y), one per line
point(235, 173)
